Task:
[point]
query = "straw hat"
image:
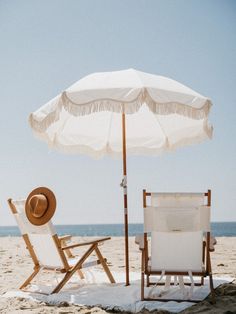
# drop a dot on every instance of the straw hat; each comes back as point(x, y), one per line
point(40, 206)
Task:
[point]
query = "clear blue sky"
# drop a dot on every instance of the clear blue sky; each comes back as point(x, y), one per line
point(45, 46)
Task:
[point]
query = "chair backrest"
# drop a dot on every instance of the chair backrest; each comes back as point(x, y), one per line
point(177, 222)
point(177, 212)
point(177, 199)
point(41, 237)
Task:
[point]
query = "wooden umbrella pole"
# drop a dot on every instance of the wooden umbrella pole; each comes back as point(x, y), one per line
point(124, 185)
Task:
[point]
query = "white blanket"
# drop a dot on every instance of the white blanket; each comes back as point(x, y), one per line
point(95, 291)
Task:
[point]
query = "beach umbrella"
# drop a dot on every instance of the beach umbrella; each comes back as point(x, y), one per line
point(123, 112)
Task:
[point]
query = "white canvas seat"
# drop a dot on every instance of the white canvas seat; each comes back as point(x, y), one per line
point(179, 228)
point(50, 252)
point(168, 255)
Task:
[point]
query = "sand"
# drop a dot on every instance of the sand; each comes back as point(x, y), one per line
point(16, 265)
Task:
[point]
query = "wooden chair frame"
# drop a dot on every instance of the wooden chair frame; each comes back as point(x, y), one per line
point(205, 259)
point(65, 253)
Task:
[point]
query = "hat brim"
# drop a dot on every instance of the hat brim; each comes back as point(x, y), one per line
point(39, 221)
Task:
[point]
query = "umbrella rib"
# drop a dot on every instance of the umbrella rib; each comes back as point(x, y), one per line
point(61, 128)
point(109, 130)
point(162, 129)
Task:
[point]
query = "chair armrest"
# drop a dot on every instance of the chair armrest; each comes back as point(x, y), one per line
point(65, 237)
point(85, 243)
point(139, 239)
point(63, 241)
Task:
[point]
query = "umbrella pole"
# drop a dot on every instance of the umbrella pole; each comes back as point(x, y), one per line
point(124, 185)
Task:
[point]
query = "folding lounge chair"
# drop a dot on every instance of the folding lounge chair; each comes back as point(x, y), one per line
point(49, 251)
point(179, 225)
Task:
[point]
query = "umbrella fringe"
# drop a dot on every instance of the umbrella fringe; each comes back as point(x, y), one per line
point(129, 107)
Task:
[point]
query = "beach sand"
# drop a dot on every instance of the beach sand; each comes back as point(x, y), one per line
point(16, 265)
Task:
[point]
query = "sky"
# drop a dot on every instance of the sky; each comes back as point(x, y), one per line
point(45, 46)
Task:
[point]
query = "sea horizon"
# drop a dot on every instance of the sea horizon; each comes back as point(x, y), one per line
point(218, 229)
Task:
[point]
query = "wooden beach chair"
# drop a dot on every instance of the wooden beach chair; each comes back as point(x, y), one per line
point(50, 252)
point(179, 227)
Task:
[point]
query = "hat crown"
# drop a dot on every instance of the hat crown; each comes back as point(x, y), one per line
point(38, 205)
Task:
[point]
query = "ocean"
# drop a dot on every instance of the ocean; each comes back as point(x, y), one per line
point(218, 229)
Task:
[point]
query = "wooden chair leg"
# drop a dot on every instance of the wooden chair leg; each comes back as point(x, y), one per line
point(211, 281)
point(61, 284)
point(148, 280)
point(142, 276)
point(70, 255)
point(68, 252)
point(213, 300)
point(142, 286)
point(81, 275)
point(203, 259)
point(77, 267)
point(104, 265)
point(208, 267)
point(30, 278)
point(202, 280)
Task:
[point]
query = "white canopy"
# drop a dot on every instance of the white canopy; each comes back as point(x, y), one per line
point(162, 115)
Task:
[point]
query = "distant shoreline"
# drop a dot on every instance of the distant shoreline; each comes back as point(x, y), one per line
point(218, 229)
point(111, 224)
